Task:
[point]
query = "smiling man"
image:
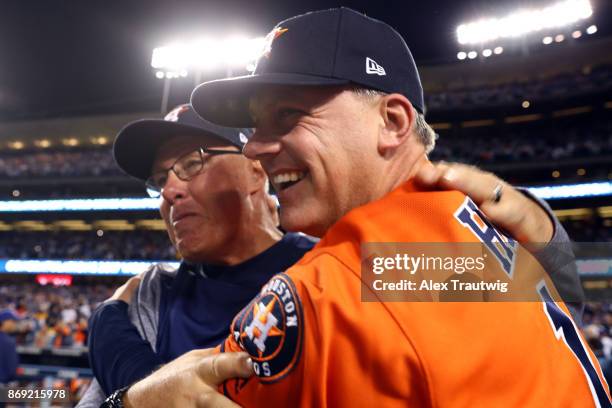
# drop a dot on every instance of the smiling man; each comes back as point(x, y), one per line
point(338, 109)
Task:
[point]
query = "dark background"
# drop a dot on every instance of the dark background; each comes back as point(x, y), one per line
point(75, 57)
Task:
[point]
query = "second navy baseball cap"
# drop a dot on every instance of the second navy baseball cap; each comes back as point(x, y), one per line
point(136, 144)
point(8, 314)
point(331, 47)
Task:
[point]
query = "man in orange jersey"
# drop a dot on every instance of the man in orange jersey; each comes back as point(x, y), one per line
point(337, 105)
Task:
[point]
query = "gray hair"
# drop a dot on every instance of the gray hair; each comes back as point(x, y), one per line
point(425, 133)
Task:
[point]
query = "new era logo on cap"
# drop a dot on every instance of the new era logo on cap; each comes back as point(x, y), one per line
point(243, 138)
point(373, 68)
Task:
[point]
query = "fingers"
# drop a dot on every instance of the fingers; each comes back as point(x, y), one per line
point(477, 184)
point(521, 217)
point(471, 181)
point(214, 369)
point(429, 176)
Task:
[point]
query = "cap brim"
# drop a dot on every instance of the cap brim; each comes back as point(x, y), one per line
point(137, 143)
point(226, 101)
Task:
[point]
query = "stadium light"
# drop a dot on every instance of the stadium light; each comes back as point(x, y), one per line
point(70, 141)
point(78, 267)
point(94, 204)
point(577, 34)
point(43, 143)
point(461, 55)
point(16, 145)
point(591, 29)
point(206, 53)
point(498, 50)
point(523, 22)
point(472, 54)
point(559, 38)
point(178, 59)
point(603, 188)
point(573, 190)
point(487, 53)
point(547, 40)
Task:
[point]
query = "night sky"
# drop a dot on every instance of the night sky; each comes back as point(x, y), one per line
point(66, 58)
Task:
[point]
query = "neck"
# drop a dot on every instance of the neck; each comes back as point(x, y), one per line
point(411, 171)
point(402, 170)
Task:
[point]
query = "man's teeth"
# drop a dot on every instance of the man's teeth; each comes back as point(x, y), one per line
point(287, 177)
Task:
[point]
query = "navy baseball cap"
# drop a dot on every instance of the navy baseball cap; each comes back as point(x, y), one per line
point(331, 47)
point(136, 144)
point(8, 314)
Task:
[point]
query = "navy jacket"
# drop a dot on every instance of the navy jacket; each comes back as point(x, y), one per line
point(195, 308)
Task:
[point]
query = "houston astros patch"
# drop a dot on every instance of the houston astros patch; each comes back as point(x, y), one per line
point(271, 328)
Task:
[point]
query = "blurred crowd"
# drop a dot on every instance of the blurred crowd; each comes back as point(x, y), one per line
point(562, 86)
point(111, 245)
point(589, 230)
point(71, 163)
point(597, 330)
point(528, 145)
point(505, 146)
point(486, 146)
point(155, 245)
point(52, 317)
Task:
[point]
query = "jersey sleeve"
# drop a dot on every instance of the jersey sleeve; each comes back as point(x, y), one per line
point(309, 336)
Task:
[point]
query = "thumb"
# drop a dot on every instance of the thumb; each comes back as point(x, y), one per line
point(430, 176)
point(217, 368)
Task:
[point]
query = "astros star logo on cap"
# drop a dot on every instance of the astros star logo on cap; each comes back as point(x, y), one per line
point(272, 35)
point(173, 115)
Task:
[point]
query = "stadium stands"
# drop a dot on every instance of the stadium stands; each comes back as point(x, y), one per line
point(561, 86)
point(580, 141)
point(597, 330)
point(52, 317)
point(112, 245)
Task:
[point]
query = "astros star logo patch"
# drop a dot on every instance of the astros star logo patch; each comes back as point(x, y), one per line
point(270, 329)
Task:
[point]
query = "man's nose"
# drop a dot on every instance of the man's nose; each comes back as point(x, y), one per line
point(259, 146)
point(174, 189)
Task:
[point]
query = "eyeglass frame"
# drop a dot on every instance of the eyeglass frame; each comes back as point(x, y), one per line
point(155, 191)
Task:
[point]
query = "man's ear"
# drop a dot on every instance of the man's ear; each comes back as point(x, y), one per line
point(398, 117)
point(258, 176)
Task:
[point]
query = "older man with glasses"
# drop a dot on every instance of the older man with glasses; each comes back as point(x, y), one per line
point(222, 221)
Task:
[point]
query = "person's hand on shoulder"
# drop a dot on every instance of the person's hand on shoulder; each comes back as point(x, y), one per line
point(504, 205)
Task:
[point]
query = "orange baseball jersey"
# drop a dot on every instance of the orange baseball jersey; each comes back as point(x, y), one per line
point(315, 343)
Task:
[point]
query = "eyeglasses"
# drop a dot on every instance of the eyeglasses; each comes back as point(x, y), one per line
point(185, 167)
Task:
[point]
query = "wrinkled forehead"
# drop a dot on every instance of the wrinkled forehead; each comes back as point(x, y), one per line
point(180, 145)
